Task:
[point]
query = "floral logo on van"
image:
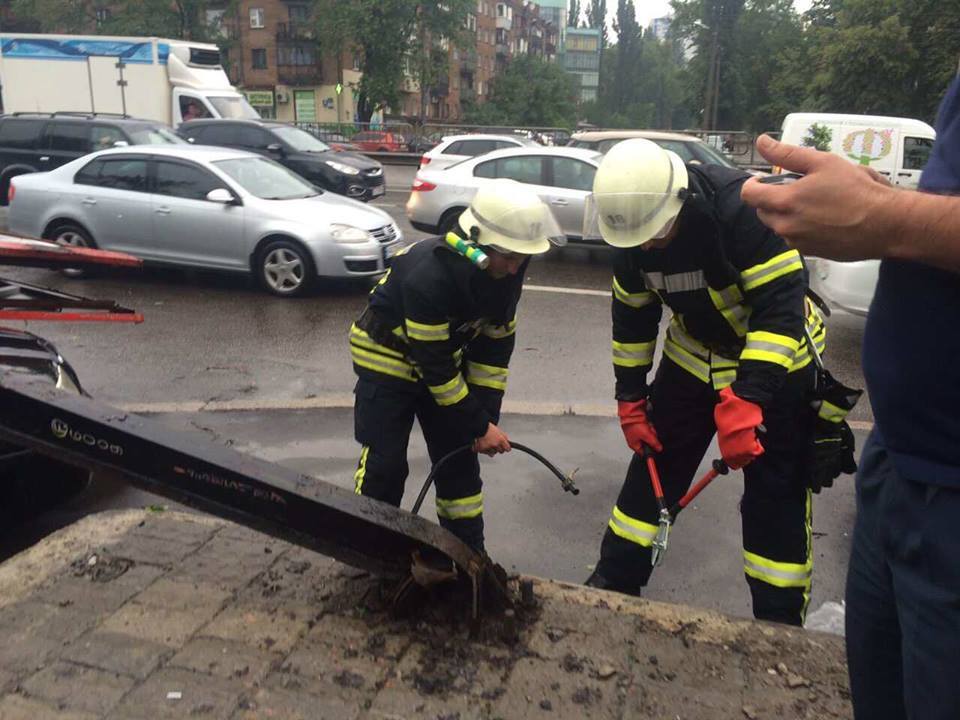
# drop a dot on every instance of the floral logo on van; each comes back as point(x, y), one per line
point(867, 146)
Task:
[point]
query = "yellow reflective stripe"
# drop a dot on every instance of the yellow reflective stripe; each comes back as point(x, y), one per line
point(361, 339)
point(775, 267)
point(634, 531)
point(450, 393)
point(729, 303)
point(361, 472)
point(498, 332)
point(633, 354)
point(692, 364)
point(779, 574)
point(382, 364)
point(489, 376)
point(723, 378)
point(460, 508)
point(770, 347)
point(427, 333)
point(830, 412)
point(634, 300)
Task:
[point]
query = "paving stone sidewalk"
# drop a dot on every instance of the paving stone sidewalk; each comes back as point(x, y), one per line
point(137, 614)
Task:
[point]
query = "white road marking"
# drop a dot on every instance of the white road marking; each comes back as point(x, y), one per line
point(344, 401)
point(567, 291)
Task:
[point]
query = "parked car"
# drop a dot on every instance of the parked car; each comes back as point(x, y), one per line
point(897, 148)
point(206, 207)
point(37, 142)
point(688, 147)
point(423, 142)
point(380, 141)
point(456, 148)
point(344, 173)
point(336, 141)
point(562, 176)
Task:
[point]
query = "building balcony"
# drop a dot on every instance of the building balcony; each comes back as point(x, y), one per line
point(440, 89)
point(295, 31)
point(299, 75)
point(502, 49)
point(468, 62)
point(504, 23)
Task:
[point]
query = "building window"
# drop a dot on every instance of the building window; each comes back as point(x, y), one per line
point(299, 13)
point(356, 63)
point(103, 15)
point(256, 18)
point(471, 22)
point(296, 56)
point(259, 59)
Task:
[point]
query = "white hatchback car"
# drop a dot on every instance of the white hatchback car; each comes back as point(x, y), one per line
point(206, 207)
point(561, 176)
point(456, 148)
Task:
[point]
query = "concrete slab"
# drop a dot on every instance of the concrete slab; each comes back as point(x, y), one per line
point(309, 638)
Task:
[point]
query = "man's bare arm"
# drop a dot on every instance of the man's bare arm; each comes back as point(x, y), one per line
point(844, 212)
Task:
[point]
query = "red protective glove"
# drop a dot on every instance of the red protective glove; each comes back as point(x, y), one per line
point(637, 428)
point(737, 421)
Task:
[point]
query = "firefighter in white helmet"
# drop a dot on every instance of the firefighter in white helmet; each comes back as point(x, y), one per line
point(435, 343)
point(735, 363)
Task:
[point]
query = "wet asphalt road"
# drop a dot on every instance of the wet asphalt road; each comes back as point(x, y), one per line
point(214, 341)
point(210, 336)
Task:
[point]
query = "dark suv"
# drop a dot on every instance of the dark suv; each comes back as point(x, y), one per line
point(38, 142)
point(345, 173)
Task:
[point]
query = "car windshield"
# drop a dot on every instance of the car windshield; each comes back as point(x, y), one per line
point(233, 107)
point(154, 135)
point(712, 157)
point(300, 140)
point(266, 179)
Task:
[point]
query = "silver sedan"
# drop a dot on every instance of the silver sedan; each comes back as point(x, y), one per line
point(562, 177)
point(206, 207)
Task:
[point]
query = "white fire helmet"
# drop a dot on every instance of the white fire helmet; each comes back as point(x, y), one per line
point(638, 192)
point(509, 217)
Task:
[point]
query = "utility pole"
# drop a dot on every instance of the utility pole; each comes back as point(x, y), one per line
point(713, 79)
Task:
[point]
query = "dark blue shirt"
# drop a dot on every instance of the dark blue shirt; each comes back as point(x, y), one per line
point(911, 350)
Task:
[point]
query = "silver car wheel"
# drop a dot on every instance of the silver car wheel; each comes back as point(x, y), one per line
point(68, 237)
point(283, 270)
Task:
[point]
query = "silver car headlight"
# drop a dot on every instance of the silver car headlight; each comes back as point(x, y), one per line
point(348, 234)
point(340, 167)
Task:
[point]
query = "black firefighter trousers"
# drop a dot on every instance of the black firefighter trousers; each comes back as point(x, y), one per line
point(775, 509)
point(383, 418)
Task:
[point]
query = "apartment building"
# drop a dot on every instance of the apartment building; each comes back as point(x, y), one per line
point(271, 54)
point(581, 58)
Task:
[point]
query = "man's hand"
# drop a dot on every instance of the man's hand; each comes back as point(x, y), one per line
point(493, 442)
point(831, 212)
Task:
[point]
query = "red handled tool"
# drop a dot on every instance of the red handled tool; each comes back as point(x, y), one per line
point(664, 519)
point(719, 468)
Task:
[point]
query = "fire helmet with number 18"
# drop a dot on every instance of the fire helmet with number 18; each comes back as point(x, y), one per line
point(638, 192)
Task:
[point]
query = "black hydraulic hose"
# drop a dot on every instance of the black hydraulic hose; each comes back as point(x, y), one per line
point(566, 481)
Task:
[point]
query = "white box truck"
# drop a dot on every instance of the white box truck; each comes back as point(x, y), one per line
point(149, 78)
point(897, 148)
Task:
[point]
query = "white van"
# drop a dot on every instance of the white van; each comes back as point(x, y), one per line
point(897, 148)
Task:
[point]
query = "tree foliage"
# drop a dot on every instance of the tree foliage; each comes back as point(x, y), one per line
point(529, 92)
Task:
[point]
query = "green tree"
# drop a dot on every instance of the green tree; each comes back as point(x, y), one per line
point(395, 40)
point(597, 18)
point(573, 18)
point(819, 137)
point(529, 92)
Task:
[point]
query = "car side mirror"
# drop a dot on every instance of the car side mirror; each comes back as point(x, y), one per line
point(275, 149)
point(121, 143)
point(221, 195)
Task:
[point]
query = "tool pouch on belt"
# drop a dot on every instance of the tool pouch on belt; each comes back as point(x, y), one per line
point(380, 331)
point(833, 441)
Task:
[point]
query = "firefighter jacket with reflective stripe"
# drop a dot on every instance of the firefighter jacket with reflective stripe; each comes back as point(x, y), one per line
point(448, 324)
point(736, 291)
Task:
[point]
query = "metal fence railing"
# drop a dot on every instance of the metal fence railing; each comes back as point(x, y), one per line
point(403, 142)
